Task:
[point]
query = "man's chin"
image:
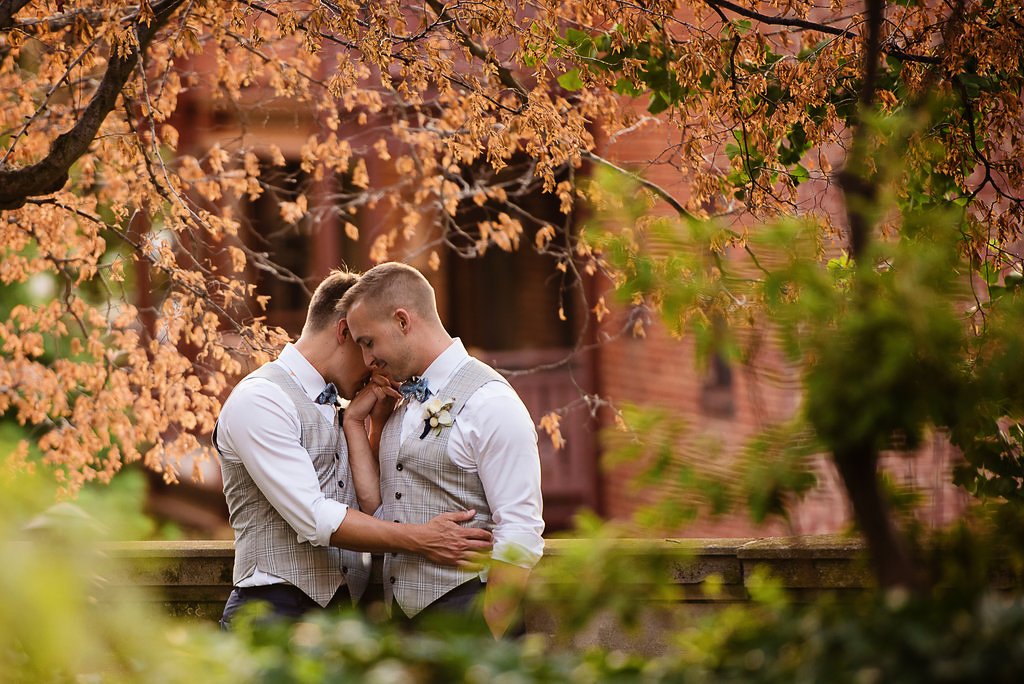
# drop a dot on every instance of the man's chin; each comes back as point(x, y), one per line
point(348, 391)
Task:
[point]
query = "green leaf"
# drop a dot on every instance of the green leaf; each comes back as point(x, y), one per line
point(580, 42)
point(658, 103)
point(571, 80)
point(989, 274)
point(799, 174)
point(624, 86)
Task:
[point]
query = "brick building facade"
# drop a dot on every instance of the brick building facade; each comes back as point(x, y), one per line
point(505, 308)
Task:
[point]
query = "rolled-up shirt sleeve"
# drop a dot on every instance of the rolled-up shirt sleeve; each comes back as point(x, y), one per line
point(500, 439)
point(260, 427)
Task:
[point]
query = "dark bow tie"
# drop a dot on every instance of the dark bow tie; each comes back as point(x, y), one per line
point(415, 388)
point(329, 395)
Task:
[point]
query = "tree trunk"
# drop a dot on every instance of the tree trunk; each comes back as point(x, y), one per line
point(890, 556)
point(858, 464)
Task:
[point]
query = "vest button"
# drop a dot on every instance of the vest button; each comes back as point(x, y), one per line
point(344, 569)
point(398, 495)
point(341, 483)
point(399, 466)
point(392, 580)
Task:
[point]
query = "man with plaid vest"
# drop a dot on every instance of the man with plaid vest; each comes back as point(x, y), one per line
point(461, 439)
point(294, 494)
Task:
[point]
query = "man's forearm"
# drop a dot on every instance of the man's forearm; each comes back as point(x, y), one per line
point(362, 532)
point(363, 464)
point(443, 539)
point(376, 430)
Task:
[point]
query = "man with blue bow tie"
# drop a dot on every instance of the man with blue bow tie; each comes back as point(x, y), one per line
point(295, 496)
point(461, 438)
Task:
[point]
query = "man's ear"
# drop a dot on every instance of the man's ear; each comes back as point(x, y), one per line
point(403, 319)
point(342, 332)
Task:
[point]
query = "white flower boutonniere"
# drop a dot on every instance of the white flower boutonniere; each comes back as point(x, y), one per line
point(437, 415)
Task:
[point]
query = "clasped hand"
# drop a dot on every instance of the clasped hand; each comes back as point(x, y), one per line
point(445, 541)
point(376, 400)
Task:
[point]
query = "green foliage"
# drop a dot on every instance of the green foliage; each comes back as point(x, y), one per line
point(890, 343)
point(120, 505)
point(674, 484)
point(348, 648)
point(605, 574)
point(890, 364)
point(645, 67)
point(61, 620)
point(571, 80)
point(962, 631)
point(987, 425)
point(775, 469)
point(116, 508)
point(890, 638)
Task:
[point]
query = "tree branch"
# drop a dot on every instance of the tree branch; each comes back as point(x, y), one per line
point(718, 5)
point(8, 8)
point(859, 189)
point(46, 99)
point(396, 56)
point(60, 21)
point(777, 20)
point(51, 173)
point(656, 189)
point(478, 51)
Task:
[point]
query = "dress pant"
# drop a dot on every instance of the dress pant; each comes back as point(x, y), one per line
point(461, 608)
point(286, 601)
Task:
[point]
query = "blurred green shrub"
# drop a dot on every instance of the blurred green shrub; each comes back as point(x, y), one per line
point(60, 622)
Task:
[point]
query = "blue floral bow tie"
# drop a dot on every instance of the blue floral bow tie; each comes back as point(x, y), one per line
point(415, 388)
point(328, 396)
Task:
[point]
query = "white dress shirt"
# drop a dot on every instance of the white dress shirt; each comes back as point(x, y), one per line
point(259, 426)
point(494, 437)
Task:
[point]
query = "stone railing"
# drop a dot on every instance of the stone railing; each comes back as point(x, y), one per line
point(191, 579)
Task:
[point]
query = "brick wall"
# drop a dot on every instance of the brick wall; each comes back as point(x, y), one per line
point(663, 372)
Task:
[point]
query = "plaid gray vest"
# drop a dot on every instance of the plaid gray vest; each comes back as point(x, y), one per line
point(262, 536)
point(419, 481)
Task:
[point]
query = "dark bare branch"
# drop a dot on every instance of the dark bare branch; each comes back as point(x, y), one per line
point(653, 187)
point(777, 20)
point(8, 8)
point(771, 20)
point(478, 51)
point(60, 21)
point(860, 190)
point(49, 174)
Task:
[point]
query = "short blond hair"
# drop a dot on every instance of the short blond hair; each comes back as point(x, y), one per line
point(323, 305)
point(391, 286)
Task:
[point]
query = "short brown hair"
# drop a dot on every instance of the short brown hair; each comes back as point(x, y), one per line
point(322, 306)
point(390, 286)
